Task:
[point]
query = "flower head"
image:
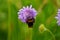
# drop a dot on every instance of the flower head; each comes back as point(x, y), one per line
point(27, 14)
point(42, 28)
point(58, 17)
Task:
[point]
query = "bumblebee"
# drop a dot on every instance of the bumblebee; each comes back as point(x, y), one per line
point(30, 22)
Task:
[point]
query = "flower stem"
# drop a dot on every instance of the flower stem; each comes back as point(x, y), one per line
point(51, 34)
point(28, 35)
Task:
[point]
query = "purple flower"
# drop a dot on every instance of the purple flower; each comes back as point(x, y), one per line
point(58, 17)
point(27, 13)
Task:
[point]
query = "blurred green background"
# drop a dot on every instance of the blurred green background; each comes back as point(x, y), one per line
point(11, 28)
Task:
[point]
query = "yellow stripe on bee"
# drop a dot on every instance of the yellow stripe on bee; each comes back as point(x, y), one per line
point(30, 20)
